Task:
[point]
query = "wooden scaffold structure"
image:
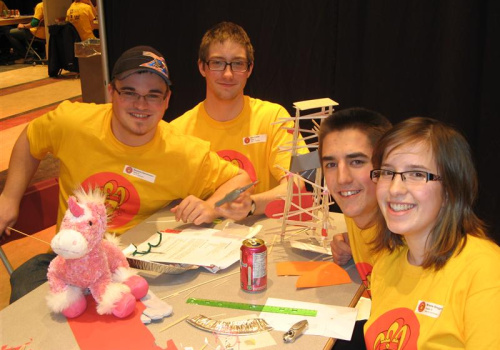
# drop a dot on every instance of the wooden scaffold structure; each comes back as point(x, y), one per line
point(303, 208)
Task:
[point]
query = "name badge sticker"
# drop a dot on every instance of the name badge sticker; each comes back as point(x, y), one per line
point(428, 309)
point(254, 139)
point(129, 170)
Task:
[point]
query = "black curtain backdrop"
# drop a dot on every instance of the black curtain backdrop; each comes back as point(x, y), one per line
point(25, 7)
point(401, 58)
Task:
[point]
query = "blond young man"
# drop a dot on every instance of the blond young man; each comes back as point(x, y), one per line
point(239, 128)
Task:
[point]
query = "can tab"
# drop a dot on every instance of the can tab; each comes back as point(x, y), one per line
point(295, 331)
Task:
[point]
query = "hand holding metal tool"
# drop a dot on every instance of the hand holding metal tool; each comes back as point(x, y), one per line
point(231, 196)
point(295, 331)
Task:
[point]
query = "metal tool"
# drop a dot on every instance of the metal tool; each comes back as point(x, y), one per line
point(231, 196)
point(295, 331)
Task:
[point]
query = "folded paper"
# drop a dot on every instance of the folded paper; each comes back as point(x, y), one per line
point(313, 273)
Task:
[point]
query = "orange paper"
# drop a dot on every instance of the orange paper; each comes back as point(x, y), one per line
point(93, 331)
point(313, 273)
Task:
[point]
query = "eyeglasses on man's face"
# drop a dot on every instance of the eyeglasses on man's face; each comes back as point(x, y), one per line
point(239, 66)
point(410, 177)
point(132, 96)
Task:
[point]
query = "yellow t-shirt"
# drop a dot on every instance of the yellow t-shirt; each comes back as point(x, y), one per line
point(456, 307)
point(250, 140)
point(359, 241)
point(39, 31)
point(138, 181)
point(81, 16)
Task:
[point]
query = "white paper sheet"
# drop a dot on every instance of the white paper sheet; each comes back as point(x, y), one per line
point(214, 249)
point(364, 307)
point(307, 244)
point(331, 321)
point(315, 243)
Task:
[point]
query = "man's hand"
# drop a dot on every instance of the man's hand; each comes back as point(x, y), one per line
point(22, 167)
point(237, 209)
point(341, 250)
point(8, 214)
point(195, 210)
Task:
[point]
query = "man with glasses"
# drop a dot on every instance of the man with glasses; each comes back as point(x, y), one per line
point(239, 128)
point(127, 150)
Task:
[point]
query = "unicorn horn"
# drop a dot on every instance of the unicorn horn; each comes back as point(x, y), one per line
point(74, 208)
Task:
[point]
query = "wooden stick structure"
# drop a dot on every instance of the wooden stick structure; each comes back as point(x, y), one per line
point(27, 235)
point(200, 284)
point(318, 212)
point(174, 323)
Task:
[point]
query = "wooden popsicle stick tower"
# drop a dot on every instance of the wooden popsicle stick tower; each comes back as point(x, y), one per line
point(304, 164)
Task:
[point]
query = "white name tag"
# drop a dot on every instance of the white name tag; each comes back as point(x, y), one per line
point(428, 309)
point(254, 139)
point(139, 174)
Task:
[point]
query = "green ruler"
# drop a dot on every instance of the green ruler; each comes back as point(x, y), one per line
point(253, 307)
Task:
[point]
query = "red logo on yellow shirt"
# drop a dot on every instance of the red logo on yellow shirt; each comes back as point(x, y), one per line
point(365, 272)
point(421, 306)
point(240, 160)
point(122, 199)
point(397, 329)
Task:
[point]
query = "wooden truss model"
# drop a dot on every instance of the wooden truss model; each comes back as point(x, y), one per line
point(302, 208)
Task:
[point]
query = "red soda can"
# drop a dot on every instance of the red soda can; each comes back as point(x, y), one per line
point(253, 265)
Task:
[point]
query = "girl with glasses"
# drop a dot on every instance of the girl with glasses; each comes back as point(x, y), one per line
point(436, 283)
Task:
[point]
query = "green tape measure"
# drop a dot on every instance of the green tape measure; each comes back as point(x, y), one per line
point(253, 307)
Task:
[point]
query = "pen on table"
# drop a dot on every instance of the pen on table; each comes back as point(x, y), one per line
point(231, 196)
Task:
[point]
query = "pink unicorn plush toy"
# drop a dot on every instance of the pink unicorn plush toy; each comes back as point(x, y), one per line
point(86, 260)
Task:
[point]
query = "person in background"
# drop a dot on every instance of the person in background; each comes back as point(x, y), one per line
point(81, 14)
point(238, 127)
point(436, 281)
point(127, 150)
point(3, 8)
point(4, 42)
point(20, 37)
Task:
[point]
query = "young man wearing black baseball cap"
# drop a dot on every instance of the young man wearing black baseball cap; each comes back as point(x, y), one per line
point(127, 150)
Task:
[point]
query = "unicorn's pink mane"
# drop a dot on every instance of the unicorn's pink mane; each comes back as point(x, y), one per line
point(93, 195)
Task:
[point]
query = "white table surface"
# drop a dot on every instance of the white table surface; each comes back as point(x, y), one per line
point(29, 317)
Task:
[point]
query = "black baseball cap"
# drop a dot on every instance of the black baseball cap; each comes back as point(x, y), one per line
point(140, 59)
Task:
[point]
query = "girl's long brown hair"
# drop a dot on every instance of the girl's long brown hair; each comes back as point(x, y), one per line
point(459, 181)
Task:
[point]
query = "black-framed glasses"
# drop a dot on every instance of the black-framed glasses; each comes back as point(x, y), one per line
point(412, 176)
point(236, 66)
point(132, 96)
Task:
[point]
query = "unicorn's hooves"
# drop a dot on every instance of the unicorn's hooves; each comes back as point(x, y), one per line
point(76, 309)
point(138, 286)
point(125, 306)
